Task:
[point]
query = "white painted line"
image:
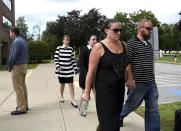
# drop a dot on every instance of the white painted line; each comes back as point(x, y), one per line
point(167, 80)
point(169, 85)
point(165, 83)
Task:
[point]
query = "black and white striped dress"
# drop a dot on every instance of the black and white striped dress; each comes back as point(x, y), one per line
point(64, 59)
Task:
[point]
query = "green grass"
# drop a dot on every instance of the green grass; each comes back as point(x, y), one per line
point(169, 58)
point(167, 114)
point(30, 66)
point(3, 68)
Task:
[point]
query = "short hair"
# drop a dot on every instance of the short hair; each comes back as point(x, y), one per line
point(142, 22)
point(66, 36)
point(107, 24)
point(15, 30)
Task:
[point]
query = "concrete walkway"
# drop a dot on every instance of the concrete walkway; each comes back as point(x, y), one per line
point(46, 113)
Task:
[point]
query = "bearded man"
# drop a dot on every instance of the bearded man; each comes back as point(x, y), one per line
point(140, 52)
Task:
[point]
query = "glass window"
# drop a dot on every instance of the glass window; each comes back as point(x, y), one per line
point(6, 23)
point(7, 3)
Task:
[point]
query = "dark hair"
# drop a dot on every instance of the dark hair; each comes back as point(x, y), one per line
point(91, 36)
point(15, 30)
point(107, 24)
point(66, 36)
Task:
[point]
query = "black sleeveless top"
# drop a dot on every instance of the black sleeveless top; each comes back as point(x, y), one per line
point(111, 69)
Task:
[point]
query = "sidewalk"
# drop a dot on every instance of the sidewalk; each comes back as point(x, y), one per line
point(46, 113)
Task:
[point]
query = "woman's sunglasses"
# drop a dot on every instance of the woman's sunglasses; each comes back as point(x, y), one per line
point(116, 30)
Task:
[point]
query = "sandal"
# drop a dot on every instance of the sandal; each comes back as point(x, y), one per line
point(74, 105)
point(61, 100)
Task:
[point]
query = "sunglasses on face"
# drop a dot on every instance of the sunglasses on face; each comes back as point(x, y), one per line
point(116, 30)
point(148, 28)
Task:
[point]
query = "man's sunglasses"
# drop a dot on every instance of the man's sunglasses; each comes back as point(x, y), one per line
point(116, 30)
point(148, 28)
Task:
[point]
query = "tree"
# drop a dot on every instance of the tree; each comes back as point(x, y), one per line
point(78, 27)
point(143, 14)
point(129, 27)
point(38, 50)
point(91, 23)
point(51, 40)
point(129, 22)
point(20, 23)
point(169, 37)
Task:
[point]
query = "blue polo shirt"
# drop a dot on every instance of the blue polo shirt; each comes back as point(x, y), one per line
point(18, 52)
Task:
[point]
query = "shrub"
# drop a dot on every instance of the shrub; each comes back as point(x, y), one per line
point(38, 50)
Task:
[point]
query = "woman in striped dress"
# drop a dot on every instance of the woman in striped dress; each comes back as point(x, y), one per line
point(65, 67)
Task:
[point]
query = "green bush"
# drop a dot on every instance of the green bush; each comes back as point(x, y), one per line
point(38, 50)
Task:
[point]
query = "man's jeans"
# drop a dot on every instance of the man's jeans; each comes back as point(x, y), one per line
point(149, 93)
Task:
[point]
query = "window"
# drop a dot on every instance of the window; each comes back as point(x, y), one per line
point(7, 3)
point(6, 23)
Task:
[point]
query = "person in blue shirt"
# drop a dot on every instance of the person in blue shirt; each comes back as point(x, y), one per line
point(17, 65)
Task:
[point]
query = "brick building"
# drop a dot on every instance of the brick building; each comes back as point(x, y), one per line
point(7, 19)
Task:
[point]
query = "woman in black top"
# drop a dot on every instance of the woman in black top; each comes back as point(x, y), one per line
point(109, 62)
point(84, 62)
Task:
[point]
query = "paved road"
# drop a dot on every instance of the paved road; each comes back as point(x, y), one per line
point(168, 78)
point(46, 113)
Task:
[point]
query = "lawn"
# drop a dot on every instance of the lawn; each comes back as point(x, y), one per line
point(169, 58)
point(167, 114)
point(30, 66)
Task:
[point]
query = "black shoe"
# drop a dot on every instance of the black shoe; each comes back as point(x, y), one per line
point(121, 123)
point(27, 109)
point(16, 112)
point(74, 105)
point(61, 100)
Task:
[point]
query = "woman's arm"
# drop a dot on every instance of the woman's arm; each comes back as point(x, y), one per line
point(94, 59)
point(56, 59)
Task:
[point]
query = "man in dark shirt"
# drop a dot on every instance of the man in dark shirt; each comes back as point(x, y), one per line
point(84, 64)
point(17, 65)
point(142, 63)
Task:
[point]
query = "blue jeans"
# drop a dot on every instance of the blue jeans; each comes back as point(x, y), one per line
point(149, 93)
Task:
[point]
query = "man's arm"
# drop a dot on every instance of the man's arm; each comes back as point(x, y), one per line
point(130, 49)
point(130, 83)
point(13, 55)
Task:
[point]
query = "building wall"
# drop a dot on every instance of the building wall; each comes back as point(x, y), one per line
point(4, 32)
